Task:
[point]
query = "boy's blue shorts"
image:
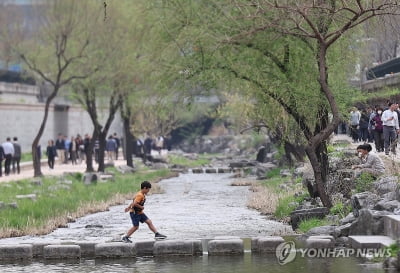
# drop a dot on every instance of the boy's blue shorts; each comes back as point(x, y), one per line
point(136, 218)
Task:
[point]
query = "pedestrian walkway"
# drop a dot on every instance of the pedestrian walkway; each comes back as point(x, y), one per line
point(59, 169)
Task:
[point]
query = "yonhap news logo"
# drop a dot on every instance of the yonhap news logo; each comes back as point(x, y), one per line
point(286, 252)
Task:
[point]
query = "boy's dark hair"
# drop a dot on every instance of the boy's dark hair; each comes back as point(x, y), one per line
point(366, 147)
point(145, 184)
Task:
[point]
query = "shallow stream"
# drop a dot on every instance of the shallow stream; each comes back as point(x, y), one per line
point(194, 206)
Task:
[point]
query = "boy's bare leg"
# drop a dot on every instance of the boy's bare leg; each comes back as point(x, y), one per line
point(131, 231)
point(151, 226)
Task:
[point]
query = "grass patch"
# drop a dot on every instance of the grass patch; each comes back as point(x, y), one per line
point(274, 173)
point(364, 182)
point(189, 163)
point(25, 157)
point(56, 201)
point(306, 225)
point(341, 210)
point(287, 204)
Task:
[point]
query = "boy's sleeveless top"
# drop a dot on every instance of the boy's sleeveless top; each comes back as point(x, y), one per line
point(140, 198)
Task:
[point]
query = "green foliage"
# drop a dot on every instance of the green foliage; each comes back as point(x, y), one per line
point(364, 182)
point(54, 201)
point(330, 148)
point(393, 249)
point(183, 161)
point(308, 224)
point(273, 173)
point(287, 205)
point(25, 157)
point(340, 209)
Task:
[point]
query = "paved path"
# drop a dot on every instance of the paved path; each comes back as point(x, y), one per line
point(59, 169)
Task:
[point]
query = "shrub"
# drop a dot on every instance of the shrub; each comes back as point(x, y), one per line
point(364, 182)
point(340, 209)
point(308, 224)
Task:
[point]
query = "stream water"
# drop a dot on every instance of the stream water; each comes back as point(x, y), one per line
point(194, 206)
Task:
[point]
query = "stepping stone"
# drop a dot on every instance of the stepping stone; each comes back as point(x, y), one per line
point(225, 247)
point(373, 241)
point(62, 252)
point(175, 247)
point(16, 252)
point(266, 244)
point(392, 226)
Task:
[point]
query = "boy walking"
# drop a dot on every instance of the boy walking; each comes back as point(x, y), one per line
point(137, 215)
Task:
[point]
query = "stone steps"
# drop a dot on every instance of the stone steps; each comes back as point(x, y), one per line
point(370, 241)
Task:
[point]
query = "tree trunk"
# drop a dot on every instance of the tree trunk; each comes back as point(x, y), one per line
point(128, 141)
point(319, 175)
point(102, 148)
point(89, 153)
point(37, 170)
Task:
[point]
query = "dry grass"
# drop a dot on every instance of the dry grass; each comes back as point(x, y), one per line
point(243, 182)
point(263, 199)
point(85, 209)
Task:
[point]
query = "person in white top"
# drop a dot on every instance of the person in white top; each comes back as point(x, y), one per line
point(390, 122)
point(8, 148)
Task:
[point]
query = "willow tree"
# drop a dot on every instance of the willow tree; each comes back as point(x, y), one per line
point(53, 52)
point(260, 44)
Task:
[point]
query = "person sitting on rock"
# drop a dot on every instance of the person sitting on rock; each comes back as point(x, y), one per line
point(370, 163)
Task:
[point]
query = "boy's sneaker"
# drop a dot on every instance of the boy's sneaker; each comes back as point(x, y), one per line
point(126, 239)
point(160, 236)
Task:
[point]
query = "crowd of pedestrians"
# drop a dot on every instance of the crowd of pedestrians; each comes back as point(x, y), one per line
point(63, 150)
point(75, 149)
point(378, 125)
point(10, 153)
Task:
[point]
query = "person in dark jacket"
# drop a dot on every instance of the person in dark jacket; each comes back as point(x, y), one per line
point(2, 157)
point(51, 153)
point(17, 155)
point(363, 129)
point(377, 129)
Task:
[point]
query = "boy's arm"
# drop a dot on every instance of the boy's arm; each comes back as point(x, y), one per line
point(137, 205)
point(134, 204)
point(129, 207)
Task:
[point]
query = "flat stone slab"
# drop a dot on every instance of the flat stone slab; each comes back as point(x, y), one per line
point(319, 243)
point(226, 237)
point(176, 247)
point(376, 241)
point(329, 237)
point(115, 250)
point(62, 252)
point(224, 170)
point(266, 244)
point(16, 252)
point(225, 247)
point(392, 226)
point(198, 170)
point(211, 170)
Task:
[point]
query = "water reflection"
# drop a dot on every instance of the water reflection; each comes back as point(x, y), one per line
point(212, 264)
